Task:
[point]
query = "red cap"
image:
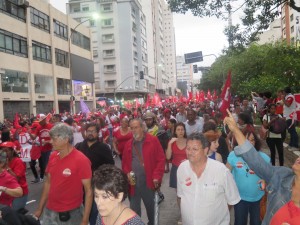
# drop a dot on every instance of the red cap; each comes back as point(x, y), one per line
point(7, 144)
point(167, 111)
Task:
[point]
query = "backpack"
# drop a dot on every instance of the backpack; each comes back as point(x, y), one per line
point(278, 126)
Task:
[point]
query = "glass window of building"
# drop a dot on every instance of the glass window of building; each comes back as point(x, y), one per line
point(39, 20)
point(107, 22)
point(80, 40)
point(107, 37)
point(63, 86)
point(11, 8)
point(13, 43)
point(43, 84)
point(61, 58)
point(41, 52)
point(60, 29)
point(15, 81)
point(106, 7)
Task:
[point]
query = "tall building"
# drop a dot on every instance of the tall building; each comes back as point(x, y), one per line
point(41, 52)
point(290, 24)
point(170, 50)
point(273, 34)
point(184, 75)
point(119, 45)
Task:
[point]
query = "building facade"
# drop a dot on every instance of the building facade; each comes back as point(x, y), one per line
point(119, 46)
point(36, 65)
point(184, 75)
point(170, 51)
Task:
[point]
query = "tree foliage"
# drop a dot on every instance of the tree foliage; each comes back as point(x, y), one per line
point(259, 68)
point(257, 15)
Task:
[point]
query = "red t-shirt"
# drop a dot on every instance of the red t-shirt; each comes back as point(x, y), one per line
point(66, 175)
point(19, 168)
point(289, 213)
point(178, 155)
point(43, 133)
point(121, 139)
point(7, 180)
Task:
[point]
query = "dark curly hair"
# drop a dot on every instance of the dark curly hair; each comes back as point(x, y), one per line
point(180, 124)
point(110, 179)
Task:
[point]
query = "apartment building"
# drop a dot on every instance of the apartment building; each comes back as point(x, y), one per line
point(170, 50)
point(46, 60)
point(119, 46)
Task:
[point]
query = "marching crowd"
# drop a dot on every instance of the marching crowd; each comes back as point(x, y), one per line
point(215, 158)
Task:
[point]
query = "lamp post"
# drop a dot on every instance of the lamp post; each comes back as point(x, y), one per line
point(72, 31)
point(120, 85)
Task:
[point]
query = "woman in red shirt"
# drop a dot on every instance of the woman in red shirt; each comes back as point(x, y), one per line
point(176, 151)
point(121, 135)
point(17, 168)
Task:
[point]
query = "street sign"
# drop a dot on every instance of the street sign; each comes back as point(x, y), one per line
point(193, 57)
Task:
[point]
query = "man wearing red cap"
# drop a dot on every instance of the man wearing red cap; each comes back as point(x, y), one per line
point(42, 132)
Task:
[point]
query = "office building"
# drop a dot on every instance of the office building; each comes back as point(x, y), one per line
point(41, 52)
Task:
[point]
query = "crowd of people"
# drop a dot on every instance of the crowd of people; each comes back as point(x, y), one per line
point(215, 160)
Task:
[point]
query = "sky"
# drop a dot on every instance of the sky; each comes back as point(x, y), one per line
point(192, 34)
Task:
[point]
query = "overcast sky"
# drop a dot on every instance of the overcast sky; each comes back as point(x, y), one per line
point(192, 34)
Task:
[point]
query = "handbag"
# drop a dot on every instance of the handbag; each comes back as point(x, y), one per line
point(263, 133)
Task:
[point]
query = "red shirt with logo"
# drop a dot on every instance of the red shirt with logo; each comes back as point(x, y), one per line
point(66, 175)
point(178, 155)
point(43, 133)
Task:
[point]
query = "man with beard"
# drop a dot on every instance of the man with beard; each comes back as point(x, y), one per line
point(98, 153)
point(143, 156)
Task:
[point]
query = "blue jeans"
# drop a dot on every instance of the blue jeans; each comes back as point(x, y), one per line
point(293, 133)
point(241, 211)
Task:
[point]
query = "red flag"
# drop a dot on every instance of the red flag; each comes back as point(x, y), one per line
point(190, 96)
point(208, 95)
point(156, 101)
point(201, 96)
point(214, 97)
point(16, 121)
point(296, 114)
point(137, 103)
point(48, 117)
point(225, 95)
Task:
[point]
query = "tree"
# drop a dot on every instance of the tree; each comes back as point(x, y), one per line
point(259, 68)
point(258, 14)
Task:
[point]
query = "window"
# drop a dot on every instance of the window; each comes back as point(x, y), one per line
point(63, 86)
point(108, 38)
point(109, 68)
point(95, 53)
point(107, 22)
point(41, 52)
point(92, 23)
point(13, 44)
point(292, 17)
point(107, 7)
point(39, 20)
point(133, 26)
point(43, 84)
point(85, 8)
point(15, 81)
point(80, 40)
point(60, 29)
point(61, 58)
point(76, 10)
point(110, 83)
point(11, 8)
point(292, 29)
point(109, 53)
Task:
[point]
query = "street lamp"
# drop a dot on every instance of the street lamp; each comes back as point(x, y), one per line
point(72, 98)
point(120, 85)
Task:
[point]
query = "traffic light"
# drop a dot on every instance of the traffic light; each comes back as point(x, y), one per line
point(195, 68)
point(141, 75)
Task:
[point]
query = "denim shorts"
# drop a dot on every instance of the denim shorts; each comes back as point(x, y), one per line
point(52, 218)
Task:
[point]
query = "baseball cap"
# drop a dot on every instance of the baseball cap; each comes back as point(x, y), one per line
point(148, 115)
point(41, 117)
point(7, 144)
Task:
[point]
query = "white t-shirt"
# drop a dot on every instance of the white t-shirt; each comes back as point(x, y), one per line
point(205, 200)
point(197, 127)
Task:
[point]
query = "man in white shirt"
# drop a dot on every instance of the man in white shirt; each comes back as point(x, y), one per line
point(205, 186)
point(181, 115)
point(193, 125)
